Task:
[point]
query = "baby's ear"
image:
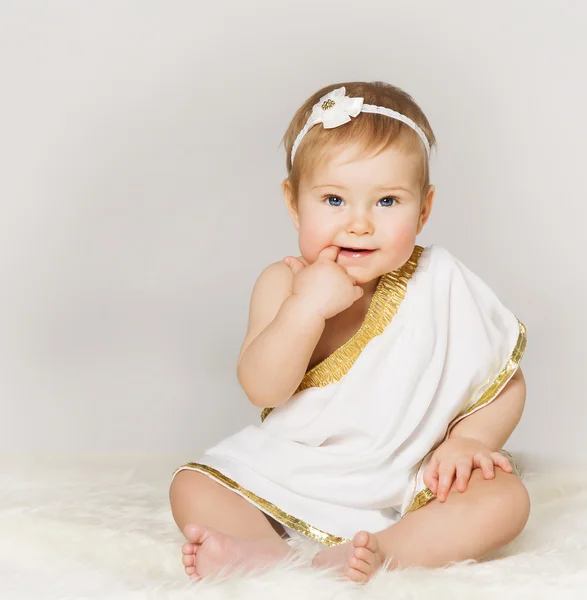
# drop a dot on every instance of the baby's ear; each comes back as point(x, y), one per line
point(426, 208)
point(289, 202)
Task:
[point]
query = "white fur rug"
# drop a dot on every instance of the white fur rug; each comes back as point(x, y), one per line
point(102, 529)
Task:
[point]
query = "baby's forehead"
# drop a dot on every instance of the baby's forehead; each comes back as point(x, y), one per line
point(393, 165)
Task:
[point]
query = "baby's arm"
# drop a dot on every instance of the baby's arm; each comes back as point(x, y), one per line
point(280, 339)
point(476, 441)
point(493, 424)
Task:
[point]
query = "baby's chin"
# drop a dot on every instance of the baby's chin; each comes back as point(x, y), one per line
point(361, 275)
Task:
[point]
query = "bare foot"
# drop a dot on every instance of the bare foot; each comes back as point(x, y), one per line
point(209, 551)
point(358, 560)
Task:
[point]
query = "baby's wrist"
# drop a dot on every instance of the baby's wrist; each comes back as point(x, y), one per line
point(305, 309)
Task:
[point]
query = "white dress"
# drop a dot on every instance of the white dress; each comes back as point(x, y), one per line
point(349, 449)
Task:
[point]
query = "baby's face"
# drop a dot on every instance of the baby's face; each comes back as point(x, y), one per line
point(371, 203)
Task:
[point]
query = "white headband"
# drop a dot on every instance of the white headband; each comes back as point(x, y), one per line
point(335, 109)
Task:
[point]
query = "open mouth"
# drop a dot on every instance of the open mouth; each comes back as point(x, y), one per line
point(355, 252)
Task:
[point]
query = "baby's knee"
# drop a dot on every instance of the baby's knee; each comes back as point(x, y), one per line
point(508, 501)
point(184, 490)
point(186, 482)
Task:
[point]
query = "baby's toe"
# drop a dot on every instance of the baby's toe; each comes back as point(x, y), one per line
point(365, 539)
point(190, 571)
point(188, 548)
point(189, 560)
point(361, 538)
point(196, 533)
point(358, 563)
point(364, 555)
point(357, 575)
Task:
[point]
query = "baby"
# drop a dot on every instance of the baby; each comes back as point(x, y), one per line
point(387, 372)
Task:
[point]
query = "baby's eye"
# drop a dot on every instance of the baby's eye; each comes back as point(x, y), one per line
point(337, 200)
point(385, 203)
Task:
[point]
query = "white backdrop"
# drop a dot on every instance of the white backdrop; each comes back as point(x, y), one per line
point(140, 197)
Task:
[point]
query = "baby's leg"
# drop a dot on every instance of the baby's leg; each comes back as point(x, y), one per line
point(468, 525)
point(197, 498)
point(222, 527)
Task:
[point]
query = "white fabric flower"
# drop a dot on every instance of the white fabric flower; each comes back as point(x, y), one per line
point(335, 109)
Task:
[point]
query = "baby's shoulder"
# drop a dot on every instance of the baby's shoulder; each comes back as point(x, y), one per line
point(272, 287)
point(277, 269)
point(275, 279)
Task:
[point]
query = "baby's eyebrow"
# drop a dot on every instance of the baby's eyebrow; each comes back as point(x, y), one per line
point(329, 185)
point(380, 187)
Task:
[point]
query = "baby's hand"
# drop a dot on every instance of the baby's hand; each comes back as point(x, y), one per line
point(459, 456)
point(325, 284)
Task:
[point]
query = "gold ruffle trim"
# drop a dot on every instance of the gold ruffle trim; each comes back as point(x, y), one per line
point(424, 496)
point(388, 295)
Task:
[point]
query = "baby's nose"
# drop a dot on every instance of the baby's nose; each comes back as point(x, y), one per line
point(359, 225)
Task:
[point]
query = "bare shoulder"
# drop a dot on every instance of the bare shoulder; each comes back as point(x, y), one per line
point(272, 287)
point(275, 279)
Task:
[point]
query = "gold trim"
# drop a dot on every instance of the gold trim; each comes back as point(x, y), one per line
point(420, 500)
point(504, 376)
point(265, 412)
point(426, 494)
point(279, 515)
point(388, 295)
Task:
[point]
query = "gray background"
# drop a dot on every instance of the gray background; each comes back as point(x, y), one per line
point(140, 197)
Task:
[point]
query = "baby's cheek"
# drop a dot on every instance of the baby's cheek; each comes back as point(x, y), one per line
point(400, 243)
point(405, 237)
point(311, 241)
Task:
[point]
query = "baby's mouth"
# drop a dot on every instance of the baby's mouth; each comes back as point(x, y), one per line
point(356, 252)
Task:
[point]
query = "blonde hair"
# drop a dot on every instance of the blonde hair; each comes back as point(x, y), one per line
point(370, 131)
